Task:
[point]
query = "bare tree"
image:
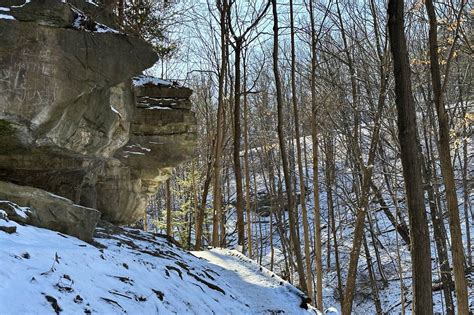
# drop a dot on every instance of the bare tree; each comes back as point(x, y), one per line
point(284, 157)
point(407, 133)
point(445, 158)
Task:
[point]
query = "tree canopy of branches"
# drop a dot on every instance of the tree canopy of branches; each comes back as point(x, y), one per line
point(335, 146)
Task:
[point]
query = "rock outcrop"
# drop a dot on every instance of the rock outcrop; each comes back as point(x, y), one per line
point(72, 122)
point(43, 209)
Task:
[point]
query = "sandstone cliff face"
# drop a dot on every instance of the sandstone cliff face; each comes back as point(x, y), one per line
point(71, 121)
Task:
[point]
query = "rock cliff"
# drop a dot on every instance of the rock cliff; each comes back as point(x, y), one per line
point(76, 117)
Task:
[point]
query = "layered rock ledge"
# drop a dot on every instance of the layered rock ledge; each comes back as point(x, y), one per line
point(73, 123)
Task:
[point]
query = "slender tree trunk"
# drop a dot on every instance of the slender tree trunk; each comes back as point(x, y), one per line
point(168, 208)
point(373, 280)
point(217, 195)
point(447, 167)
point(307, 252)
point(201, 211)
point(284, 157)
point(376, 243)
point(315, 143)
point(400, 269)
point(330, 177)
point(145, 222)
point(407, 133)
point(239, 205)
point(466, 203)
point(246, 163)
point(439, 230)
point(272, 194)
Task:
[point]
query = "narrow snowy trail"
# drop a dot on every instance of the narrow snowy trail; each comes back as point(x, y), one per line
point(261, 289)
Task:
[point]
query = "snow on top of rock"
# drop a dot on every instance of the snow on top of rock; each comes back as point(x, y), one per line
point(114, 110)
point(6, 17)
point(137, 146)
point(92, 2)
point(22, 212)
point(83, 22)
point(142, 80)
point(19, 6)
point(159, 107)
point(3, 214)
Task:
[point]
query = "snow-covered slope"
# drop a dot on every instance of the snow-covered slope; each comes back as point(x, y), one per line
point(264, 291)
point(129, 271)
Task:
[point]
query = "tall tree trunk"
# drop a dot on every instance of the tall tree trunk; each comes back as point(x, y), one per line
point(407, 128)
point(447, 167)
point(315, 143)
point(246, 163)
point(330, 177)
point(439, 229)
point(284, 157)
point(307, 252)
point(239, 205)
point(201, 211)
point(466, 203)
point(217, 195)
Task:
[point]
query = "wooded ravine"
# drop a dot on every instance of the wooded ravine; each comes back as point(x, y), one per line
point(317, 155)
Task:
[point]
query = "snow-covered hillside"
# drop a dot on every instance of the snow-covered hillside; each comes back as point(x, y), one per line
point(129, 271)
point(265, 292)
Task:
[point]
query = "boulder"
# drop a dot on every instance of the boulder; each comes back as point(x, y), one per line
point(40, 208)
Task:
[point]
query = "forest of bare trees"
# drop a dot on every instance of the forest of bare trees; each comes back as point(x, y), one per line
point(335, 145)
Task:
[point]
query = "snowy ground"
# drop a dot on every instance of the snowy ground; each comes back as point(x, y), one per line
point(261, 289)
point(129, 272)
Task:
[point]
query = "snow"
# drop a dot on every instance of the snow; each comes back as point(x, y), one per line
point(138, 147)
point(159, 107)
point(92, 2)
point(82, 20)
point(6, 17)
point(128, 271)
point(261, 289)
point(19, 6)
point(146, 79)
point(114, 110)
point(22, 212)
point(134, 152)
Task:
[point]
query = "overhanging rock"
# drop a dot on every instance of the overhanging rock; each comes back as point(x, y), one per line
point(71, 121)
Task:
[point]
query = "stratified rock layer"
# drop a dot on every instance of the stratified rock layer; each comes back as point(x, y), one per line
point(161, 137)
point(70, 122)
